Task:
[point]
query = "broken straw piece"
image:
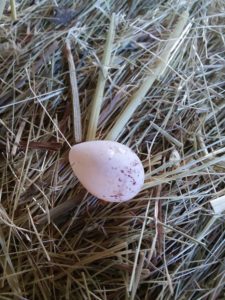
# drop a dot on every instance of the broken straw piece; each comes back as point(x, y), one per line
point(218, 205)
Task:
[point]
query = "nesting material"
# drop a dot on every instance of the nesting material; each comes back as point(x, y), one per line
point(218, 205)
point(152, 80)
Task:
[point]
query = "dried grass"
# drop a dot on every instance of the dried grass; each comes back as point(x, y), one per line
point(57, 241)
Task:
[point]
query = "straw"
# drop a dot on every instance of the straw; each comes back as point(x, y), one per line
point(13, 10)
point(2, 7)
point(102, 77)
point(75, 95)
point(156, 73)
point(58, 241)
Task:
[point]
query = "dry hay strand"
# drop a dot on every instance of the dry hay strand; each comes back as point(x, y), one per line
point(159, 74)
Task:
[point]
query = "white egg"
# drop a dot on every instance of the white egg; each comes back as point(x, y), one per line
point(108, 170)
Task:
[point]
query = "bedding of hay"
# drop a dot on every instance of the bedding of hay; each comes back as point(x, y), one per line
point(156, 73)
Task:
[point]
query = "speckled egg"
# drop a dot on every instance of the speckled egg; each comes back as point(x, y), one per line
point(108, 170)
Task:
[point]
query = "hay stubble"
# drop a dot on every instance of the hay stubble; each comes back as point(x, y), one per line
point(58, 242)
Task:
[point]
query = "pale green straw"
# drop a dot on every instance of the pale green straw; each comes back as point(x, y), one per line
point(102, 77)
point(156, 73)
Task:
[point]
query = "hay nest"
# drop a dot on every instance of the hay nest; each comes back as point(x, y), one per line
point(150, 74)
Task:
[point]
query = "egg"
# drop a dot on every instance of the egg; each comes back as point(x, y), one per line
point(108, 170)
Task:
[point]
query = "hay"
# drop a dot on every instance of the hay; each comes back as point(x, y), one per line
point(59, 242)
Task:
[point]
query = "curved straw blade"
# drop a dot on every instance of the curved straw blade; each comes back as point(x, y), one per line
point(161, 65)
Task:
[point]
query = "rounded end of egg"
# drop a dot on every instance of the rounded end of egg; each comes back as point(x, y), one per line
point(108, 170)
